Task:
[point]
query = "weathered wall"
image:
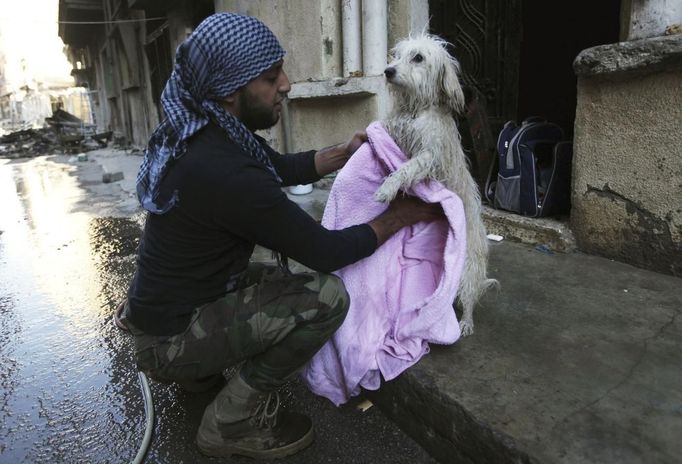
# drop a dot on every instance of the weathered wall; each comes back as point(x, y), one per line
point(134, 83)
point(405, 17)
point(311, 33)
point(328, 126)
point(627, 192)
point(178, 28)
point(649, 18)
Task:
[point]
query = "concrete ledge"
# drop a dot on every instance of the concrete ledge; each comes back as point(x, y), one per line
point(627, 174)
point(635, 57)
point(441, 425)
point(533, 231)
point(575, 360)
point(338, 87)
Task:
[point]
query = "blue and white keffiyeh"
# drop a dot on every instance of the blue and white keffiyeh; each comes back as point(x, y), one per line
point(222, 55)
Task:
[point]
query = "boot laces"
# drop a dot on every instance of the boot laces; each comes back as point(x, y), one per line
point(267, 411)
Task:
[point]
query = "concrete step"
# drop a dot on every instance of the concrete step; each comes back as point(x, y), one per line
point(575, 360)
point(554, 233)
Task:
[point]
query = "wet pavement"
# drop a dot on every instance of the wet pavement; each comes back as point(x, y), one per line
point(69, 390)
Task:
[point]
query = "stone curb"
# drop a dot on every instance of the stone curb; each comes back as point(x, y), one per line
point(446, 430)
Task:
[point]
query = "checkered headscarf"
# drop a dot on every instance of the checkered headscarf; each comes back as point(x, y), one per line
point(223, 54)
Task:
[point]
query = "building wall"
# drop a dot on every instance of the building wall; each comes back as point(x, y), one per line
point(314, 121)
point(3, 80)
point(650, 18)
point(133, 91)
point(310, 32)
point(627, 192)
point(627, 179)
point(324, 107)
point(406, 17)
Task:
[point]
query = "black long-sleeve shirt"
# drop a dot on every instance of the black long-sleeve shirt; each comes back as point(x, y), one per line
point(228, 203)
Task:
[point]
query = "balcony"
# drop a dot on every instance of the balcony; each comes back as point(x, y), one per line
point(79, 35)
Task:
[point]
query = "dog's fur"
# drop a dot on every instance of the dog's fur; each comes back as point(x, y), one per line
point(426, 94)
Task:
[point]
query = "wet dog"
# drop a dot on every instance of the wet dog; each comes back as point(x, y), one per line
point(426, 94)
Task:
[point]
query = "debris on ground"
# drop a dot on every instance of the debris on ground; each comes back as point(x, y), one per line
point(109, 177)
point(75, 134)
point(27, 142)
point(365, 405)
point(495, 237)
point(64, 133)
point(544, 248)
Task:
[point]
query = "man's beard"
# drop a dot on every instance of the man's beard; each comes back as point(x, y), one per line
point(254, 114)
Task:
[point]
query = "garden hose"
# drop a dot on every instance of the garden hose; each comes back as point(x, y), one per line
point(146, 396)
point(149, 412)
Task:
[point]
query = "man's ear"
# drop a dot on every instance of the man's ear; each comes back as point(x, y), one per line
point(231, 103)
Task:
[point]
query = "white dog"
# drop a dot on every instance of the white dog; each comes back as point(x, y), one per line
point(426, 94)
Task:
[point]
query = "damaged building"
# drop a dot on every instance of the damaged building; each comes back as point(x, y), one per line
point(123, 52)
point(608, 72)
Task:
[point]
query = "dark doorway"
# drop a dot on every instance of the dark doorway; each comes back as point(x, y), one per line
point(553, 35)
point(516, 57)
point(519, 53)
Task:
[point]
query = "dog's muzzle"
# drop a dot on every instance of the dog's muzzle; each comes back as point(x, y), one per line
point(390, 72)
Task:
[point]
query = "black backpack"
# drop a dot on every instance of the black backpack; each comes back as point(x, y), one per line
point(531, 174)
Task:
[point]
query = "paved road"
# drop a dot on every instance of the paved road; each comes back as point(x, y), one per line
point(68, 388)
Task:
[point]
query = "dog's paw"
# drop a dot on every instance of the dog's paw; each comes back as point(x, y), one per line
point(385, 193)
point(466, 327)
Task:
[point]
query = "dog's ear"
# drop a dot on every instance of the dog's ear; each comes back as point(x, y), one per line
point(451, 90)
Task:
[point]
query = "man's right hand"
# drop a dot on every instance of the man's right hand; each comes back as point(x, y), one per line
point(333, 158)
point(401, 212)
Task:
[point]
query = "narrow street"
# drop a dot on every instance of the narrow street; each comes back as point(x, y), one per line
point(69, 390)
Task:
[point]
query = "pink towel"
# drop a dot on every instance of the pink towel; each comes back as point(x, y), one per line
point(402, 295)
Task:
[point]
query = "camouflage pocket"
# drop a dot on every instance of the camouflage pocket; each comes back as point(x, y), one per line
point(190, 370)
point(147, 359)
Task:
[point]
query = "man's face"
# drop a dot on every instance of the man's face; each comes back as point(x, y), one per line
point(260, 101)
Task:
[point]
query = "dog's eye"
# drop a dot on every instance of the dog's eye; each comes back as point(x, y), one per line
point(418, 58)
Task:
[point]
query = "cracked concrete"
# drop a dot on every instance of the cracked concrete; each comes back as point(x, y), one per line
point(632, 233)
point(575, 360)
point(627, 175)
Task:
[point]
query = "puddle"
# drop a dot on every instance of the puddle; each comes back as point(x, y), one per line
point(68, 387)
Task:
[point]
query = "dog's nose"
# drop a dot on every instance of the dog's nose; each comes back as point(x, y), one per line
point(390, 72)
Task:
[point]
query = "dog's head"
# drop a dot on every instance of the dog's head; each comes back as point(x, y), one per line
point(423, 73)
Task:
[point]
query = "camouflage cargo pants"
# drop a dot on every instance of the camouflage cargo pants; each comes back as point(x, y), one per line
point(274, 322)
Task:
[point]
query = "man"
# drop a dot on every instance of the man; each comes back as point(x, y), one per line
point(213, 188)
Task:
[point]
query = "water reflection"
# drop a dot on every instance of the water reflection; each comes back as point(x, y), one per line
point(66, 374)
point(51, 242)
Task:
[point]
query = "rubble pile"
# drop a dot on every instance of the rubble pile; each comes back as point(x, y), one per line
point(28, 142)
point(65, 133)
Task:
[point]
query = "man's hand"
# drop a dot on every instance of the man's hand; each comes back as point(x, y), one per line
point(401, 212)
point(354, 143)
point(335, 157)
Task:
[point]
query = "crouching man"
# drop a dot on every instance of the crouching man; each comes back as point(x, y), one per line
point(213, 189)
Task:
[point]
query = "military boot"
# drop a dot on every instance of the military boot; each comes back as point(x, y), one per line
point(242, 420)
